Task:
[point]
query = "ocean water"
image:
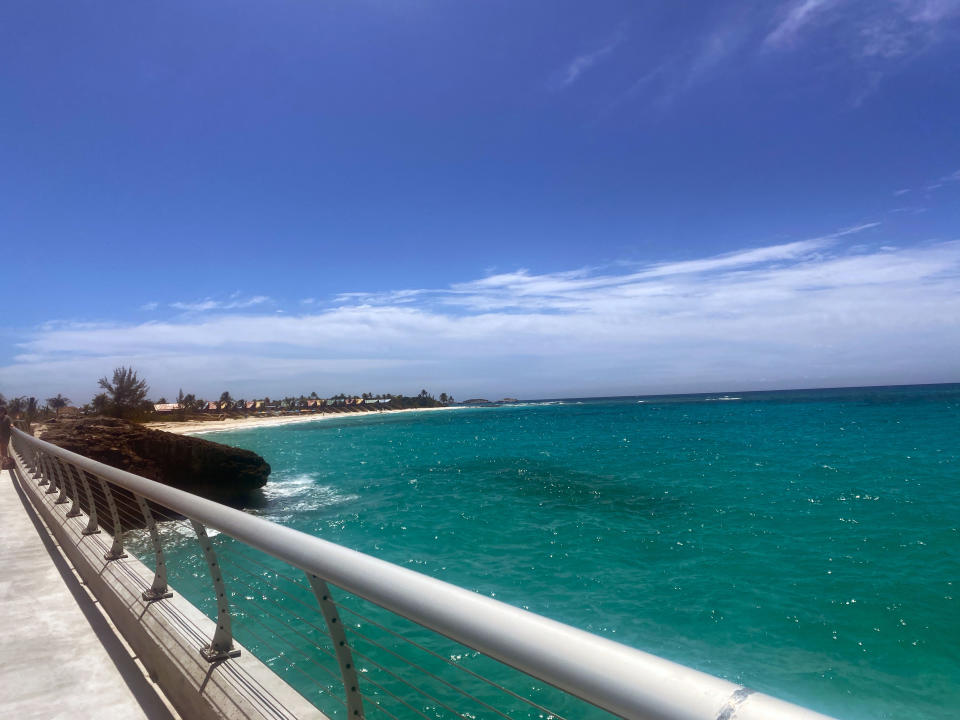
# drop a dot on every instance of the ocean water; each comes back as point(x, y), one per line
point(804, 543)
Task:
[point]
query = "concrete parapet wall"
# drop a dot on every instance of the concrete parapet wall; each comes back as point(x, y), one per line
point(167, 635)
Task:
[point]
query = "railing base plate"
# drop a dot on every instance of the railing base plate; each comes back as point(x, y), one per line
point(212, 656)
point(154, 595)
point(114, 556)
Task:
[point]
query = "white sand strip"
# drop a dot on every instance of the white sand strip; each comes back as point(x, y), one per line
point(197, 427)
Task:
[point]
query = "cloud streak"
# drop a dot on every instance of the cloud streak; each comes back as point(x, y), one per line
point(209, 304)
point(804, 313)
point(798, 16)
point(583, 62)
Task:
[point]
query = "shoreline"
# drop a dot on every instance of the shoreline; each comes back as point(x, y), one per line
point(203, 427)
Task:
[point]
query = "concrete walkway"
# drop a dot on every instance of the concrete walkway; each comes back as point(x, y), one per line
point(60, 657)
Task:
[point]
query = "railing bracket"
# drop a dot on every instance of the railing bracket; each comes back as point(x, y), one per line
point(221, 645)
point(211, 655)
point(152, 595)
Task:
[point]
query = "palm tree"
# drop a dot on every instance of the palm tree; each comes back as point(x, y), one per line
point(100, 403)
point(57, 403)
point(30, 407)
point(16, 405)
point(127, 391)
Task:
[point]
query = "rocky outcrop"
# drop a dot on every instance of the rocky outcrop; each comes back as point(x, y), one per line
point(225, 474)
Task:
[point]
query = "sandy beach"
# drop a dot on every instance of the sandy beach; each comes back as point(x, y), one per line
point(197, 427)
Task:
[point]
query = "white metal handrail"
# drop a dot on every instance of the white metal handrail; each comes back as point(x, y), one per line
point(622, 680)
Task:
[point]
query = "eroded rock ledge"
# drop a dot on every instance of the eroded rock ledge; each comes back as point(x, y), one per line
point(228, 475)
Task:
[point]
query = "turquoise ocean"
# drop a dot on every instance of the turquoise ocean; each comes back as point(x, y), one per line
point(803, 543)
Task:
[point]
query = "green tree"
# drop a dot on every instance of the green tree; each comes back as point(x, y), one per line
point(226, 402)
point(126, 391)
point(57, 403)
point(31, 408)
point(100, 403)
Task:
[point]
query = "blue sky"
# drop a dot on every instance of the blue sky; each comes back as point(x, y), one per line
point(499, 198)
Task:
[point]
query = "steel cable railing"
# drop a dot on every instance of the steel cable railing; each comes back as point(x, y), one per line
point(432, 661)
point(132, 514)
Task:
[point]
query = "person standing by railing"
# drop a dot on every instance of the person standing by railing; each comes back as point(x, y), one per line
point(5, 432)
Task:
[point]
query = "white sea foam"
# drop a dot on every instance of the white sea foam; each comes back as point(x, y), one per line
point(290, 486)
point(303, 493)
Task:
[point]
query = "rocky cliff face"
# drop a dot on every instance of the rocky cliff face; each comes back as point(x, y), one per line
point(225, 474)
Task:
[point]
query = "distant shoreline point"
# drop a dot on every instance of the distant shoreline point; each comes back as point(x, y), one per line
point(198, 427)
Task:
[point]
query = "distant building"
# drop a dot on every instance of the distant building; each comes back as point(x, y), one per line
point(212, 405)
point(164, 407)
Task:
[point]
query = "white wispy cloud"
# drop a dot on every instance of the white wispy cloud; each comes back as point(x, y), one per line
point(869, 41)
point(809, 312)
point(209, 304)
point(932, 11)
point(935, 185)
point(797, 16)
point(583, 62)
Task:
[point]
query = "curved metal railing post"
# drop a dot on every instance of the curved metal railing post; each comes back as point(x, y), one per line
point(42, 469)
point(47, 462)
point(158, 590)
point(64, 496)
point(221, 646)
point(33, 465)
point(116, 549)
point(74, 510)
point(351, 684)
point(93, 526)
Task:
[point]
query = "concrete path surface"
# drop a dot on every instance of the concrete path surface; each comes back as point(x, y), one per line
point(60, 657)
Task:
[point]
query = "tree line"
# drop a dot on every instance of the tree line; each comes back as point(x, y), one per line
point(124, 395)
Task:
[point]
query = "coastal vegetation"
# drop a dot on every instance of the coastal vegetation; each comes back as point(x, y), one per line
point(125, 395)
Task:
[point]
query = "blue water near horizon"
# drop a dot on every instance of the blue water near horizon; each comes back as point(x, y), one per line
point(803, 543)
